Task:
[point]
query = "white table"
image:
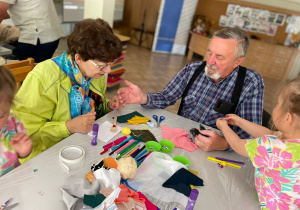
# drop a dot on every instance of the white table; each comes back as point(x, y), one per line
point(227, 188)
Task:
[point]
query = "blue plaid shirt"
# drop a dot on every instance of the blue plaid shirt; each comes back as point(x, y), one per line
point(204, 93)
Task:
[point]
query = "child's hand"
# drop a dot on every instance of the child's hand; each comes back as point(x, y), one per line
point(221, 123)
point(22, 144)
point(232, 119)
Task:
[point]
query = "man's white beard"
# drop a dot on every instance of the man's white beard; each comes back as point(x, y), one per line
point(212, 72)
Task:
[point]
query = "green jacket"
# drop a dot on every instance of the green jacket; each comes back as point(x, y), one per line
point(43, 106)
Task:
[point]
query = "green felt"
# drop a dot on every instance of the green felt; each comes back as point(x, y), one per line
point(93, 200)
point(124, 118)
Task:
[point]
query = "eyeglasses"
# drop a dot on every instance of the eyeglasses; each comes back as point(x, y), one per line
point(102, 67)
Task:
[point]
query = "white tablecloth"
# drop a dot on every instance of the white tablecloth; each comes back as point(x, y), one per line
point(227, 188)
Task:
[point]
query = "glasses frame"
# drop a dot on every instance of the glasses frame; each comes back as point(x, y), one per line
point(104, 66)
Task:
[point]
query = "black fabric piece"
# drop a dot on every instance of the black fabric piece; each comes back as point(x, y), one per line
point(146, 135)
point(181, 181)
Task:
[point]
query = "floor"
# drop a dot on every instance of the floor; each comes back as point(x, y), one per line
point(152, 71)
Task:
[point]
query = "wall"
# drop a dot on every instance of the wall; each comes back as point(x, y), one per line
point(213, 9)
point(103, 9)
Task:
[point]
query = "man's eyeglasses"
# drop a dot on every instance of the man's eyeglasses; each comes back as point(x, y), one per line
point(102, 67)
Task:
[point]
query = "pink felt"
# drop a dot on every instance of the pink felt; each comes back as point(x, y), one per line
point(179, 137)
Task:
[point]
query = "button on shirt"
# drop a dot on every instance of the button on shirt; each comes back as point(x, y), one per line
point(204, 93)
point(36, 19)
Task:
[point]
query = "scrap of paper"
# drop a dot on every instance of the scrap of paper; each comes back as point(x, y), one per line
point(104, 133)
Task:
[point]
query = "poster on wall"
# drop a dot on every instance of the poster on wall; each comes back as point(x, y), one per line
point(254, 20)
point(280, 18)
point(230, 10)
point(272, 30)
point(293, 26)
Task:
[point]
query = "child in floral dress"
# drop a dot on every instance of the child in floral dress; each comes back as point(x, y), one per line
point(274, 154)
point(14, 141)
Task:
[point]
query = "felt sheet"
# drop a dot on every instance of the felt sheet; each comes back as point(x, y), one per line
point(146, 135)
point(124, 118)
point(179, 137)
point(149, 205)
point(128, 193)
point(104, 133)
point(181, 181)
point(93, 200)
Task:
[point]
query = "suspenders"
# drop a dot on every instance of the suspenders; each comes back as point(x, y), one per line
point(221, 106)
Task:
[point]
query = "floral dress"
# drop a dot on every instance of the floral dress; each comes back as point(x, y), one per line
point(277, 170)
point(8, 156)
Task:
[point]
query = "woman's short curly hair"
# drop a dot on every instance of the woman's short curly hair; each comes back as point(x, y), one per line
point(94, 39)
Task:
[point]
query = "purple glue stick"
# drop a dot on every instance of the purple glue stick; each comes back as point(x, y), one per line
point(192, 199)
point(95, 134)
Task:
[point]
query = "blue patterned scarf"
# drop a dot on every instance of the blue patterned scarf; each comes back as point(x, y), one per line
point(80, 103)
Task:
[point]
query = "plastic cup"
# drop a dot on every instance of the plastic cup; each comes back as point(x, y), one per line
point(152, 146)
point(182, 160)
point(166, 145)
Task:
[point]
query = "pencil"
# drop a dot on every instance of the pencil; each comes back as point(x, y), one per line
point(123, 153)
point(136, 151)
point(115, 142)
point(142, 153)
point(124, 147)
point(118, 147)
point(140, 158)
point(139, 151)
point(132, 151)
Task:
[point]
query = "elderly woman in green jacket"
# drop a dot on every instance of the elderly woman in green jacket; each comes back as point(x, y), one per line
point(66, 94)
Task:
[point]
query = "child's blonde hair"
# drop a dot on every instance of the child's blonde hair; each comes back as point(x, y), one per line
point(7, 85)
point(290, 94)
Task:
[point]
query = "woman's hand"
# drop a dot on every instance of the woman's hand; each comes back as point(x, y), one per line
point(22, 144)
point(82, 124)
point(115, 104)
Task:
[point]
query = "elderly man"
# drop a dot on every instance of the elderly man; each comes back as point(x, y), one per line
point(211, 89)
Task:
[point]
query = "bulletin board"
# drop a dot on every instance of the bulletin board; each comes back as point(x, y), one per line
point(214, 10)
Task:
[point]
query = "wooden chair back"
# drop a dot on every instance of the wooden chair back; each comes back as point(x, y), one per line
point(20, 69)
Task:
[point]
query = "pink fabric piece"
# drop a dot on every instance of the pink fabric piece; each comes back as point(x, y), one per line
point(149, 205)
point(179, 137)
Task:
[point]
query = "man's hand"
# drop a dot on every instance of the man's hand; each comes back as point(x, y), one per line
point(211, 143)
point(22, 144)
point(81, 124)
point(131, 94)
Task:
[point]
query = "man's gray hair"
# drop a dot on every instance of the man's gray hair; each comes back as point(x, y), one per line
point(238, 34)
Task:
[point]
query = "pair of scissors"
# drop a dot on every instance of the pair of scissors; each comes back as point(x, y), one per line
point(161, 118)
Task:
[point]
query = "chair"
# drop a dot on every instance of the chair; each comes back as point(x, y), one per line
point(20, 69)
point(266, 117)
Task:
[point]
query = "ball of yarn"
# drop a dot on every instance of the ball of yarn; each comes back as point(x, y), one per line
point(127, 167)
point(126, 131)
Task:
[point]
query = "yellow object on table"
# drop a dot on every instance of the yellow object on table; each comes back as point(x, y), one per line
point(126, 131)
point(137, 120)
point(224, 163)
